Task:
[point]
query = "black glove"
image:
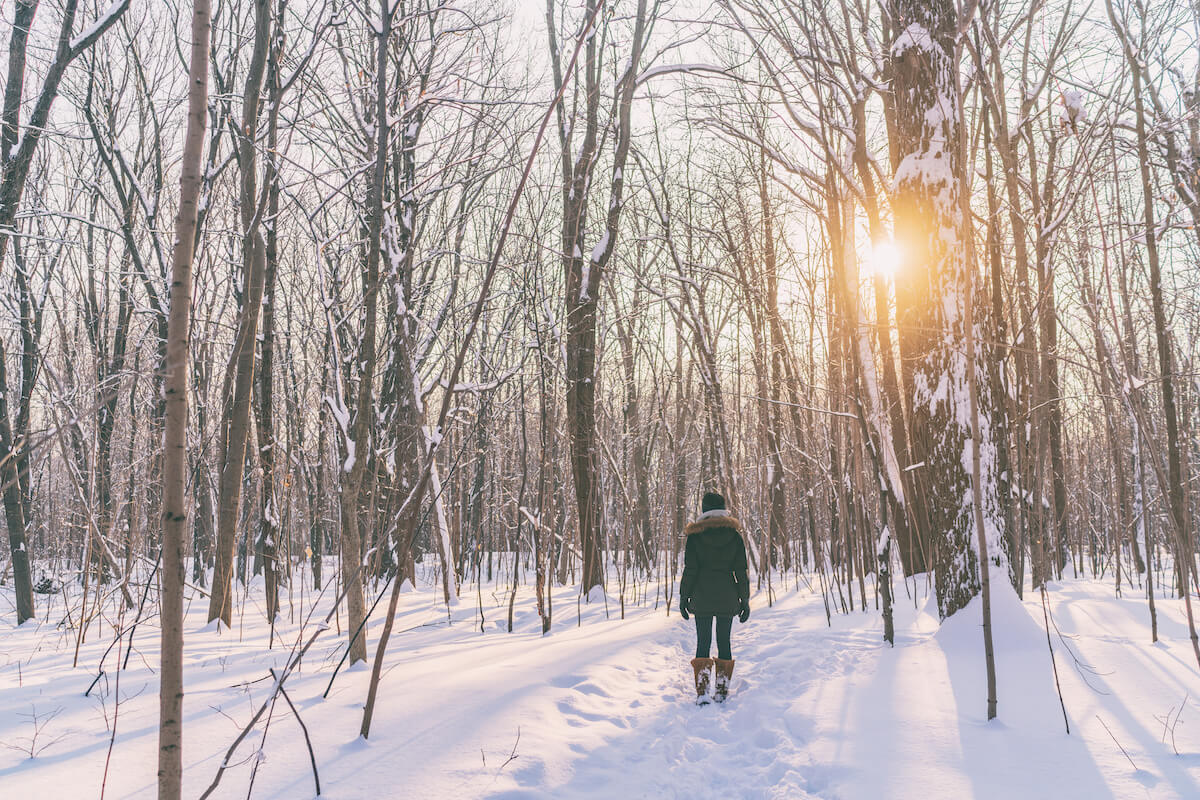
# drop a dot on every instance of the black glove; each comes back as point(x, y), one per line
point(683, 604)
point(744, 614)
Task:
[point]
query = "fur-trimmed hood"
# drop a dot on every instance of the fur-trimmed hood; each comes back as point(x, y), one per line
point(717, 518)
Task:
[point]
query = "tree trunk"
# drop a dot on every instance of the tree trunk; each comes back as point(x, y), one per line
point(908, 528)
point(584, 271)
point(271, 524)
point(175, 463)
point(357, 444)
point(931, 290)
point(995, 356)
point(235, 423)
point(14, 466)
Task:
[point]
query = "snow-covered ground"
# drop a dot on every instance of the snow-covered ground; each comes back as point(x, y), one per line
point(604, 709)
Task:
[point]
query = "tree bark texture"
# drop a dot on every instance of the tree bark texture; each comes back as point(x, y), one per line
point(931, 295)
point(175, 462)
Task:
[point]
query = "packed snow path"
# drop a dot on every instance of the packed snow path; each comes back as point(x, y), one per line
point(605, 709)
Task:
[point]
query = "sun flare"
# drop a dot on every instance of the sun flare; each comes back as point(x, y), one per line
point(885, 258)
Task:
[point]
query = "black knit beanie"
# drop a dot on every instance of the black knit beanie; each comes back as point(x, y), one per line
point(711, 501)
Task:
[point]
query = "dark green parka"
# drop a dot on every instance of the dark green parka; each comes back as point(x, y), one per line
point(715, 580)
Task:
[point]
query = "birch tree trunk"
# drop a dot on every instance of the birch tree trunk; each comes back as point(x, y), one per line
point(175, 463)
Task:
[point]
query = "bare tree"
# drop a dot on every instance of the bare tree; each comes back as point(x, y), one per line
point(583, 273)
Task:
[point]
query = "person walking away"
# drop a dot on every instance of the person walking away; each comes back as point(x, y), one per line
point(715, 587)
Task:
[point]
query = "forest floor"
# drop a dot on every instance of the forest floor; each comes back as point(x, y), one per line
point(603, 707)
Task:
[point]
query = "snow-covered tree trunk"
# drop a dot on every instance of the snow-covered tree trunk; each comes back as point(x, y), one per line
point(14, 475)
point(637, 455)
point(931, 295)
point(109, 358)
point(776, 483)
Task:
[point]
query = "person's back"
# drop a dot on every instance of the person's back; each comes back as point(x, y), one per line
point(714, 586)
point(717, 551)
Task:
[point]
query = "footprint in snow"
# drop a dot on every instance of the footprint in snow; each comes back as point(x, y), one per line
point(570, 708)
point(566, 681)
point(766, 739)
point(587, 687)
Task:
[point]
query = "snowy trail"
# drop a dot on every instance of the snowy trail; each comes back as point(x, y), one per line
point(605, 707)
point(828, 712)
point(666, 746)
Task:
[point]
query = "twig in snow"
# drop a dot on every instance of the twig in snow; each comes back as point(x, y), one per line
point(1178, 714)
point(35, 748)
point(303, 727)
point(137, 617)
point(1170, 726)
point(1053, 662)
point(513, 755)
point(243, 684)
point(297, 654)
point(1110, 733)
point(121, 633)
point(260, 755)
point(1080, 666)
point(112, 740)
point(99, 675)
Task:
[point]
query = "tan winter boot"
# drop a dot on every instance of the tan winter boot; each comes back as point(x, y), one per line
point(724, 675)
point(701, 667)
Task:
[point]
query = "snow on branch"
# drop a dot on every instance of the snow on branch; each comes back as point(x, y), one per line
point(93, 32)
point(666, 69)
point(1073, 112)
